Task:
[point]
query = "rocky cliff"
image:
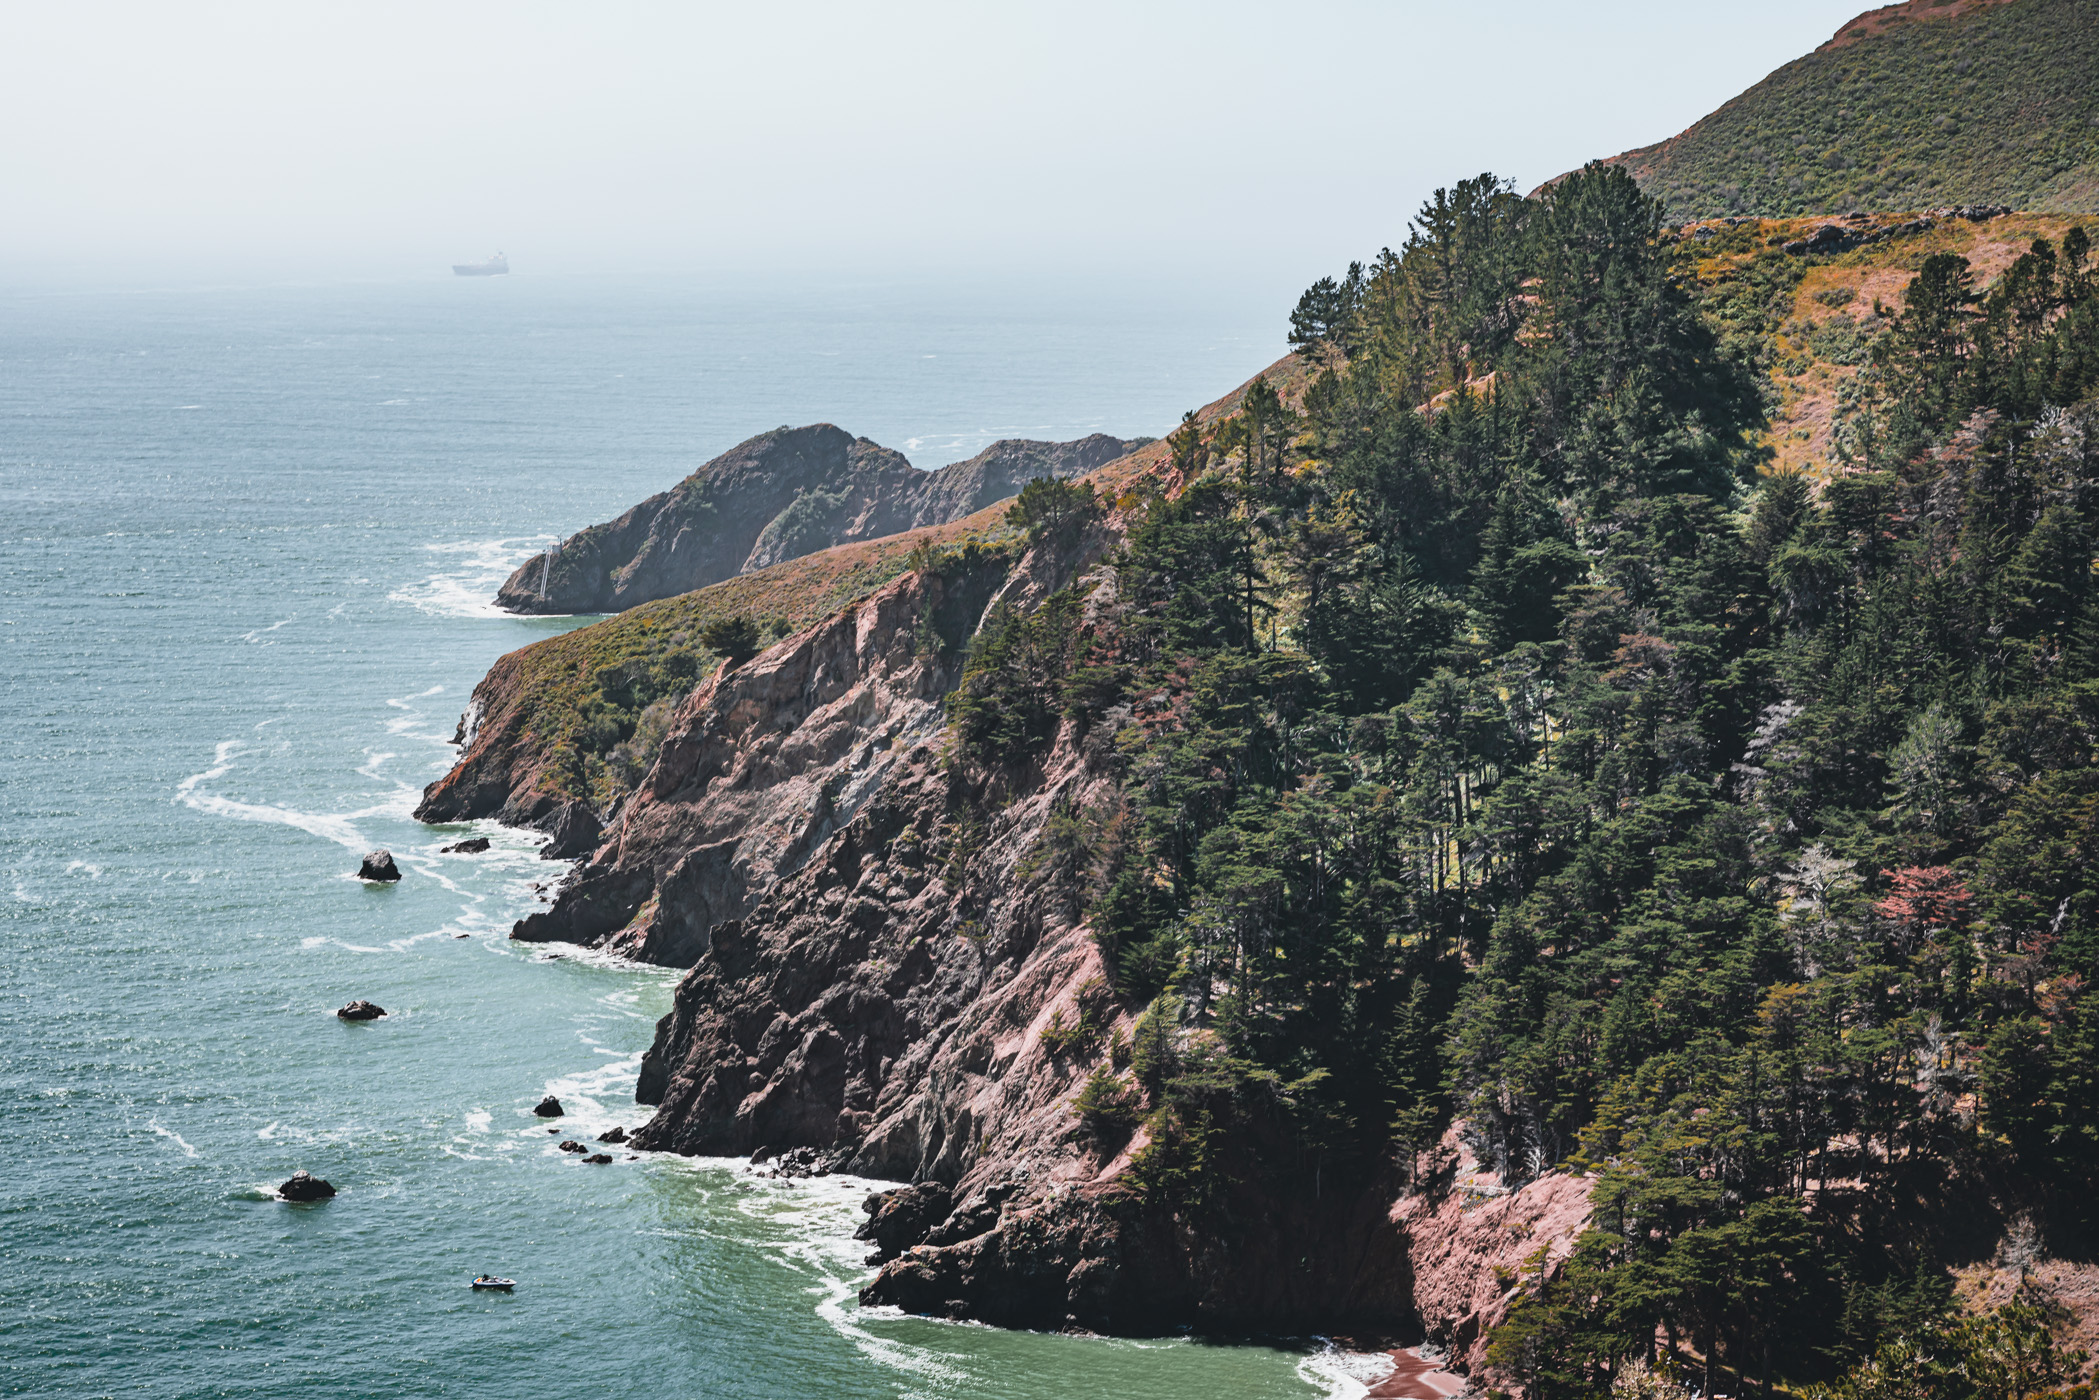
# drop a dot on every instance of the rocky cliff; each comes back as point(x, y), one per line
point(778, 496)
point(884, 999)
point(886, 970)
point(764, 762)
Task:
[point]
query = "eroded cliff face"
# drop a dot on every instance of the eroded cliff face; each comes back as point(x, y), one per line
point(1471, 1239)
point(764, 763)
point(876, 955)
point(775, 497)
point(886, 1004)
point(498, 772)
point(877, 951)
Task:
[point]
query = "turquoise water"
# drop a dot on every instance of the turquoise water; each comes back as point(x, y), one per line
point(248, 539)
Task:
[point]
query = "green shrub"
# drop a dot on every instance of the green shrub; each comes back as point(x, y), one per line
point(1050, 508)
point(1107, 1105)
point(734, 639)
point(1007, 707)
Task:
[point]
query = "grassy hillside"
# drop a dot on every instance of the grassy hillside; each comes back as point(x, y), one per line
point(1913, 107)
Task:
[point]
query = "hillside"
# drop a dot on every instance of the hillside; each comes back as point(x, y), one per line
point(1443, 844)
point(578, 717)
point(1806, 319)
point(1916, 106)
point(775, 497)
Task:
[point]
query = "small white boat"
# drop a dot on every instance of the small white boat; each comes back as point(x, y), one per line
point(489, 1283)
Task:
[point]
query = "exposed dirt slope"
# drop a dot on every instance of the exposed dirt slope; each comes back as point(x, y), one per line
point(1808, 317)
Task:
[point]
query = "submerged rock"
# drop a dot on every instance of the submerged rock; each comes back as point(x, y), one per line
point(362, 1011)
point(379, 867)
point(615, 1135)
point(472, 847)
point(548, 1107)
point(304, 1186)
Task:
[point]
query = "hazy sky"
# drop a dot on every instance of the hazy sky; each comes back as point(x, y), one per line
point(391, 138)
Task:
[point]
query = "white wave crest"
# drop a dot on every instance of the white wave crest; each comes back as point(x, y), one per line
point(340, 828)
point(187, 1150)
point(1342, 1374)
point(474, 570)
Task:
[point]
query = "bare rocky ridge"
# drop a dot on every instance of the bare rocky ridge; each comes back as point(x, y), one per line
point(880, 1009)
point(778, 496)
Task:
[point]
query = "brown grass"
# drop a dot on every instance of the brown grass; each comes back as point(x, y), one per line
point(1800, 428)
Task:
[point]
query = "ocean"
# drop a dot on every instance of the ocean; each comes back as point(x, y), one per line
point(250, 534)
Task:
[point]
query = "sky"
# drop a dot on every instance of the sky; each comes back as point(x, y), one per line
point(1161, 140)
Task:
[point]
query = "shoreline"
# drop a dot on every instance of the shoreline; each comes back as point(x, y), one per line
point(1415, 1377)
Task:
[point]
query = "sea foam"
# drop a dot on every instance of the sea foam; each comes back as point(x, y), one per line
point(474, 570)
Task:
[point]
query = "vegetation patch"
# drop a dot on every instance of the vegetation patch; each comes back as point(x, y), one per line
point(1997, 105)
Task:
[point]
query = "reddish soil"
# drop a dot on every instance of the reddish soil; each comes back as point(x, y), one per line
point(1888, 16)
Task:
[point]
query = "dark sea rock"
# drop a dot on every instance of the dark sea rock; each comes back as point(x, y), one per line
point(473, 847)
point(379, 866)
point(362, 1011)
point(615, 1135)
point(795, 1162)
point(898, 1219)
point(549, 1107)
point(573, 1146)
point(576, 833)
point(598, 1159)
point(304, 1186)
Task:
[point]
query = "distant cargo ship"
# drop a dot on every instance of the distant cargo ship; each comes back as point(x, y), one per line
point(494, 267)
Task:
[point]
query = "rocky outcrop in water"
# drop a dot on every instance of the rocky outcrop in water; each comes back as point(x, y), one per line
point(379, 868)
point(780, 495)
point(361, 1011)
point(548, 1107)
point(304, 1186)
point(898, 1219)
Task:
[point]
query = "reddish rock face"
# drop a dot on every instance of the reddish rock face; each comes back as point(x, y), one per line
point(1468, 1240)
point(765, 764)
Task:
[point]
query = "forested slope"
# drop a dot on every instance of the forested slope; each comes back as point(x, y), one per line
point(1485, 742)
point(1529, 762)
